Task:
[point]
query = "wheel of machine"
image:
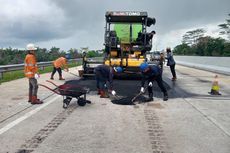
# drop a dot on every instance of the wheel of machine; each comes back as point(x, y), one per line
point(64, 105)
point(81, 102)
point(66, 102)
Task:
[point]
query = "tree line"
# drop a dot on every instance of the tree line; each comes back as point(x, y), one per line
point(16, 56)
point(195, 43)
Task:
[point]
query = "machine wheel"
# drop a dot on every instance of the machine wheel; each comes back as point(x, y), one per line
point(66, 102)
point(81, 102)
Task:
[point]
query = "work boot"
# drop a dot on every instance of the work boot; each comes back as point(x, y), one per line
point(150, 98)
point(98, 91)
point(61, 78)
point(35, 100)
point(165, 98)
point(104, 95)
point(174, 79)
point(30, 99)
point(52, 77)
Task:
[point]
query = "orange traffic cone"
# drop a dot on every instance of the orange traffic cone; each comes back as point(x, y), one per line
point(215, 86)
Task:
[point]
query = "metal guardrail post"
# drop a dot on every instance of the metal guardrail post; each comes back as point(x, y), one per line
point(41, 65)
point(1, 75)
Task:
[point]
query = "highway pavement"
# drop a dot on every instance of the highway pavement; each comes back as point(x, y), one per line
point(191, 121)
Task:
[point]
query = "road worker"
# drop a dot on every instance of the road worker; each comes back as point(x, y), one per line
point(31, 72)
point(104, 74)
point(149, 36)
point(151, 73)
point(171, 63)
point(161, 61)
point(58, 65)
point(84, 61)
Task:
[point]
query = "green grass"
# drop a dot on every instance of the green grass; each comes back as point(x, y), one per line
point(13, 75)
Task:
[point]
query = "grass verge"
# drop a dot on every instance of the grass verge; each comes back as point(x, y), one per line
point(13, 75)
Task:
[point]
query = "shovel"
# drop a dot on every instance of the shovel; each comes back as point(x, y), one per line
point(140, 93)
point(71, 73)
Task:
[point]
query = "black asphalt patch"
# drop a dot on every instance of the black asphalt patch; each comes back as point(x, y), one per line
point(125, 89)
point(203, 81)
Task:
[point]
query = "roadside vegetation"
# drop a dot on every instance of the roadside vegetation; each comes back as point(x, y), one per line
point(17, 56)
point(10, 56)
point(195, 42)
point(13, 75)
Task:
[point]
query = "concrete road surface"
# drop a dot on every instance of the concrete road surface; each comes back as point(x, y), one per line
point(191, 121)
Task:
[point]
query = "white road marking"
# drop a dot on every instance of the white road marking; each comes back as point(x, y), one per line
point(27, 115)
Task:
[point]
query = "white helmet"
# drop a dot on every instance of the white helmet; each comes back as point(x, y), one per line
point(31, 47)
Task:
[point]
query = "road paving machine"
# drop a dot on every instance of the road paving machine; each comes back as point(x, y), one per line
point(126, 39)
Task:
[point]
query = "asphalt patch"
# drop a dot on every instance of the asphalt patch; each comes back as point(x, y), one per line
point(123, 101)
point(125, 89)
point(203, 81)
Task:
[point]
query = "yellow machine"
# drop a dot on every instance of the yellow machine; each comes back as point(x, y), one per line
point(126, 45)
point(126, 41)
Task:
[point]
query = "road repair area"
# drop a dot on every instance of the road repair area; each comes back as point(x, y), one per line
point(191, 121)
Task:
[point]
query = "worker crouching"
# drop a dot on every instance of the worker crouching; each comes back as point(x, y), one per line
point(151, 73)
point(31, 72)
point(58, 64)
point(104, 74)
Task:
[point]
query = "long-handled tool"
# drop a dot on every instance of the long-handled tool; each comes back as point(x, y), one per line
point(71, 73)
point(140, 93)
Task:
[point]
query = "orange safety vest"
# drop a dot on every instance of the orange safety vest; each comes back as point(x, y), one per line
point(61, 61)
point(30, 67)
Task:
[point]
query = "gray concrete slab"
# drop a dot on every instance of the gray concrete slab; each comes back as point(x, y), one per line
point(190, 121)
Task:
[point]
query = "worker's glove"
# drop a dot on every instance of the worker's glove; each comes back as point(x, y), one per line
point(36, 76)
point(113, 92)
point(150, 84)
point(67, 70)
point(105, 86)
point(142, 90)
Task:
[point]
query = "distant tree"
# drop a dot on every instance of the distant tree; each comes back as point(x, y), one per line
point(191, 37)
point(84, 49)
point(54, 53)
point(201, 46)
point(92, 53)
point(15, 56)
point(74, 53)
point(216, 46)
point(187, 39)
point(226, 51)
point(225, 28)
point(205, 46)
point(183, 49)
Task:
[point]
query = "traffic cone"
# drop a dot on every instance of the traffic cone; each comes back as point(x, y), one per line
point(215, 86)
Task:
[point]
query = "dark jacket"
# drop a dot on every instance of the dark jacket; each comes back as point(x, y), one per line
point(151, 74)
point(104, 73)
point(170, 59)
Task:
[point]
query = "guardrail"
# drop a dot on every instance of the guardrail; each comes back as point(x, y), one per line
point(212, 64)
point(15, 67)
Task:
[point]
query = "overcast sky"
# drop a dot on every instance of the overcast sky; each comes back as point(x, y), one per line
point(80, 23)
